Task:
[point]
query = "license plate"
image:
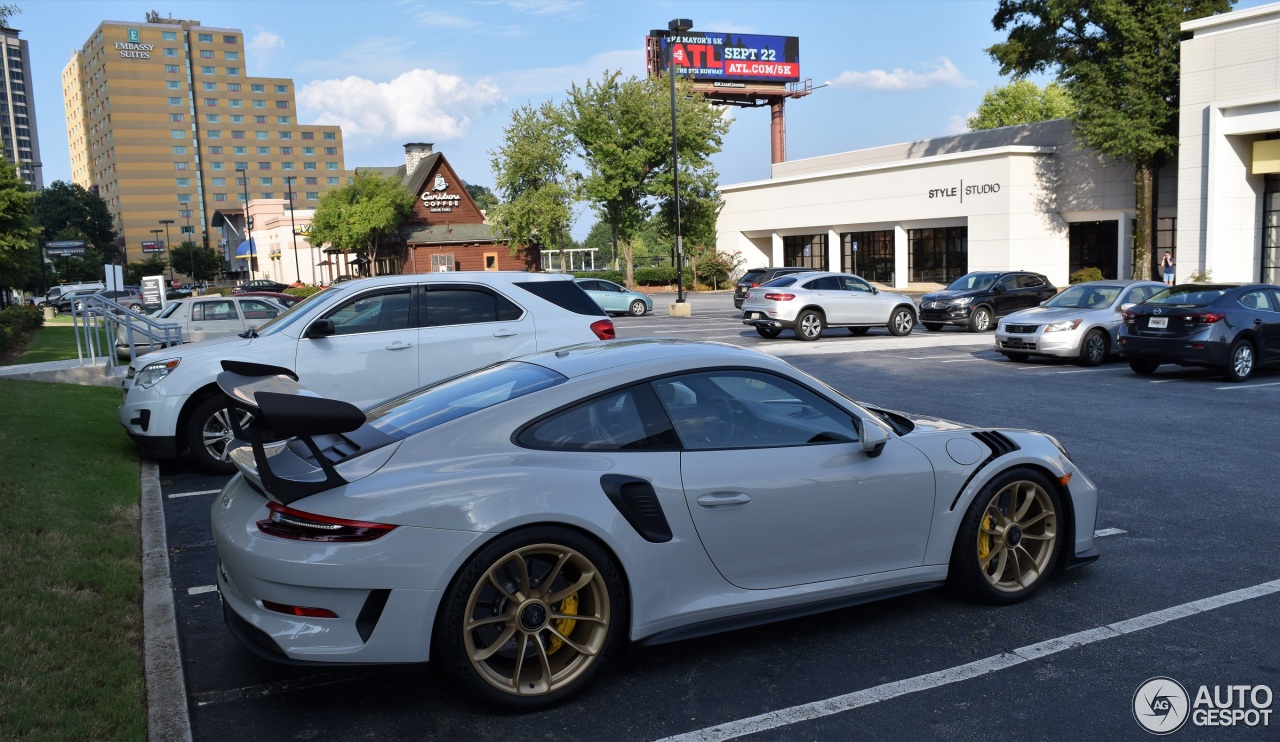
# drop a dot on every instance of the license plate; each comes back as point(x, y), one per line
point(1158, 323)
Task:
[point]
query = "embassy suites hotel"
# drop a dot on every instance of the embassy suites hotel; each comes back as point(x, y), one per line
point(1034, 197)
point(162, 114)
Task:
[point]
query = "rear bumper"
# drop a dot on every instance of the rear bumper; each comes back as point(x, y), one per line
point(1185, 351)
point(760, 319)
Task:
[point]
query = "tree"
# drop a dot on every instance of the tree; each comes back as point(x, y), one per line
point(200, 263)
point(534, 179)
point(63, 206)
point(7, 11)
point(357, 216)
point(1022, 102)
point(155, 265)
point(485, 199)
point(1118, 59)
point(17, 234)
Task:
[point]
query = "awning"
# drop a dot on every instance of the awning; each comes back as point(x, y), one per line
point(246, 250)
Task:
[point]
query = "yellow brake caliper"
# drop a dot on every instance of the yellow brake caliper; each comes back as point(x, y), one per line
point(984, 538)
point(568, 607)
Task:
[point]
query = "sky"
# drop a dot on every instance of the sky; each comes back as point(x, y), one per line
point(450, 72)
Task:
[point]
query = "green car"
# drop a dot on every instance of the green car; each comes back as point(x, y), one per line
point(615, 299)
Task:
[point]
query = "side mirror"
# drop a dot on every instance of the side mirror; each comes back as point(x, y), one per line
point(875, 290)
point(321, 328)
point(997, 289)
point(1127, 306)
point(872, 436)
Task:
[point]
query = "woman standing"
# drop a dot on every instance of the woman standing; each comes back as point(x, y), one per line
point(1166, 266)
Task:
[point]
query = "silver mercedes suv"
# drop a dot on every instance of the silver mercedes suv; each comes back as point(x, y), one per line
point(808, 303)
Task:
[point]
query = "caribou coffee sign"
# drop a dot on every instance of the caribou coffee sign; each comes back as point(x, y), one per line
point(437, 200)
point(962, 190)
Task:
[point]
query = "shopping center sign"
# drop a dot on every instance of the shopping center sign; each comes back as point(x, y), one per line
point(722, 57)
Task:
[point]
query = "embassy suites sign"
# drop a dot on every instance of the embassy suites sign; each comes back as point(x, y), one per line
point(133, 48)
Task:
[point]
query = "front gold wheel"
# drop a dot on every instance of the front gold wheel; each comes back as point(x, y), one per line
point(1018, 536)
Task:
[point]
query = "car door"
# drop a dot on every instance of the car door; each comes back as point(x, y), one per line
point(256, 312)
point(372, 354)
point(214, 318)
point(1005, 296)
point(614, 297)
point(828, 292)
point(866, 306)
point(1263, 313)
point(468, 326)
point(780, 490)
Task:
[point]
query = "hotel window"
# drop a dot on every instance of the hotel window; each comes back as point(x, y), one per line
point(233, 72)
point(286, 120)
point(177, 133)
point(286, 150)
point(261, 134)
point(313, 195)
point(228, 39)
point(219, 197)
point(206, 54)
point(282, 88)
point(175, 101)
point(215, 133)
point(216, 165)
point(175, 118)
point(237, 134)
point(169, 35)
point(331, 151)
point(240, 197)
point(170, 52)
point(184, 198)
point(308, 135)
point(239, 150)
point(330, 136)
point(184, 214)
point(206, 38)
point(312, 180)
point(241, 166)
point(210, 102)
point(259, 119)
point(233, 87)
point(286, 135)
point(235, 102)
point(259, 103)
point(286, 166)
point(331, 181)
point(179, 149)
point(209, 86)
point(232, 56)
point(258, 87)
point(212, 118)
point(308, 150)
point(173, 85)
point(206, 70)
point(331, 166)
point(807, 251)
point(264, 166)
point(171, 69)
point(267, 194)
point(182, 182)
point(264, 150)
point(219, 181)
point(265, 181)
point(308, 166)
point(179, 166)
point(237, 118)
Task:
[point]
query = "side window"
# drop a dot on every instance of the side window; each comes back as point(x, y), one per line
point(1008, 283)
point(609, 286)
point(750, 409)
point(213, 311)
point(1138, 294)
point(379, 312)
point(254, 309)
point(1029, 282)
point(1257, 300)
point(590, 285)
point(628, 420)
point(856, 284)
point(466, 306)
point(825, 283)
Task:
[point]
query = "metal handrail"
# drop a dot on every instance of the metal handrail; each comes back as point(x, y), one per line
point(97, 321)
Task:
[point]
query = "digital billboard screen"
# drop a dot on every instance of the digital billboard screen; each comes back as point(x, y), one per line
point(733, 57)
point(149, 246)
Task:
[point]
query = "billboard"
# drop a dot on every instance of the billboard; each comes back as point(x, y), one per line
point(64, 248)
point(733, 57)
point(149, 246)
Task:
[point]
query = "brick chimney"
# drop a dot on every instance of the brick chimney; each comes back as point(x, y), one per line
point(415, 152)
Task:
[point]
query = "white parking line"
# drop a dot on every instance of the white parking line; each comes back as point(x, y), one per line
point(1246, 386)
point(1094, 370)
point(211, 588)
point(1021, 655)
point(1108, 532)
point(966, 360)
point(176, 495)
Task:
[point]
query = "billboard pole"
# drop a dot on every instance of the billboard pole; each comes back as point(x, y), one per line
point(677, 25)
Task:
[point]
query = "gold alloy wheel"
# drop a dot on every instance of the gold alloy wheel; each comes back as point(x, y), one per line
point(536, 620)
point(1017, 536)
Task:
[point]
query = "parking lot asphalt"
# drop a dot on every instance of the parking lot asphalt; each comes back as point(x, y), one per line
point(1186, 586)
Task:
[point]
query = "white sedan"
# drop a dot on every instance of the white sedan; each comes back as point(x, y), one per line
point(519, 523)
point(1081, 323)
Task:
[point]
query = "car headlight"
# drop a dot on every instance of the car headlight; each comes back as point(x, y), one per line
point(962, 301)
point(1063, 326)
point(152, 373)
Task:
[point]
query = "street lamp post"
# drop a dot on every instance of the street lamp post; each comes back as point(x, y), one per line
point(44, 268)
point(248, 223)
point(155, 237)
point(289, 180)
point(168, 248)
point(675, 26)
point(192, 242)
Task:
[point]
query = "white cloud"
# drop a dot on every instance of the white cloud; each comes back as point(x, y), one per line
point(958, 124)
point(937, 72)
point(264, 44)
point(417, 104)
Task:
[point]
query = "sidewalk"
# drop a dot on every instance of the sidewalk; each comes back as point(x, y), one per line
point(83, 373)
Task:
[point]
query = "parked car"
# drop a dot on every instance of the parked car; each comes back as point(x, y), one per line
point(976, 300)
point(361, 342)
point(130, 297)
point(1234, 328)
point(809, 302)
point(200, 318)
point(55, 293)
point(285, 300)
point(517, 524)
point(615, 299)
point(69, 299)
point(260, 284)
point(758, 277)
point(1082, 322)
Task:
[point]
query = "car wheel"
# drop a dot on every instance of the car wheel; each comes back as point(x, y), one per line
point(980, 320)
point(1093, 351)
point(1142, 366)
point(135, 307)
point(768, 332)
point(901, 322)
point(209, 434)
point(1242, 361)
point(531, 618)
point(809, 325)
point(1008, 541)
point(638, 309)
point(933, 326)
point(859, 331)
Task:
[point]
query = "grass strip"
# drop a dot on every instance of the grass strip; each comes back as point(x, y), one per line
point(70, 600)
point(50, 343)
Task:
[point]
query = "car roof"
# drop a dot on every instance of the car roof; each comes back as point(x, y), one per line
point(462, 276)
point(605, 355)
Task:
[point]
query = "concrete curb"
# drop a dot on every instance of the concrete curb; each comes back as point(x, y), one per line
point(167, 717)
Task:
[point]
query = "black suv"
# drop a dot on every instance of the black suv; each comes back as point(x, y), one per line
point(977, 300)
point(757, 276)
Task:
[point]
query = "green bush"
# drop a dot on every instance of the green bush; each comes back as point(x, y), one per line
point(1085, 275)
point(662, 275)
point(302, 292)
point(16, 326)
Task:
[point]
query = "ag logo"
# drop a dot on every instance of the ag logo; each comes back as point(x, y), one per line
point(439, 184)
point(1160, 705)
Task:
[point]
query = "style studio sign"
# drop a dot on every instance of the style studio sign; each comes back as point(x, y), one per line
point(963, 191)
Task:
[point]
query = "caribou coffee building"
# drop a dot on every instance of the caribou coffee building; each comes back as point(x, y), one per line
point(1033, 197)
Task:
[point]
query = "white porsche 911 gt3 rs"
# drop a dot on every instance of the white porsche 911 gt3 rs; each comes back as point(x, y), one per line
point(518, 523)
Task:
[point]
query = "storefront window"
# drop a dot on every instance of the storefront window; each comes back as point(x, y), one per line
point(1166, 241)
point(938, 254)
point(868, 254)
point(1093, 245)
point(805, 251)
point(1271, 231)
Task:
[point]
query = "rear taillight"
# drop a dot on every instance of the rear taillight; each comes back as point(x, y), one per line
point(779, 297)
point(754, 284)
point(299, 610)
point(1207, 318)
point(286, 522)
point(1129, 318)
point(603, 328)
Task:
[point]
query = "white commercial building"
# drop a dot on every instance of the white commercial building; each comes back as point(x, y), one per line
point(1032, 197)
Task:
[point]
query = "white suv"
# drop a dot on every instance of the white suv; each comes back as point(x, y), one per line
point(361, 342)
point(808, 303)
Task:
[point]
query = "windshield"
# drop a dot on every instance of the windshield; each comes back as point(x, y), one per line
point(287, 318)
point(780, 282)
point(973, 282)
point(449, 400)
point(169, 310)
point(1192, 295)
point(1084, 297)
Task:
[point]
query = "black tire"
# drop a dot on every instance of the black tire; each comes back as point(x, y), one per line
point(1094, 348)
point(135, 307)
point(1241, 363)
point(209, 434)
point(901, 322)
point(1021, 548)
point(637, 308)
point(1142, 366)
point(980, 320)
point(768, 332)
point(809, 325)
point(933, 326)
point(473, 596)
point(1018, 357)
point(858, 331)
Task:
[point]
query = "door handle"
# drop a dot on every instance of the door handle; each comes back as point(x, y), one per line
point(724, 500)
point(399, 345)
point(505, 332)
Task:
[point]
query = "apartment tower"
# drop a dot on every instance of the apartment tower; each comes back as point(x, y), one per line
point(164, 123)
point(18, 108)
